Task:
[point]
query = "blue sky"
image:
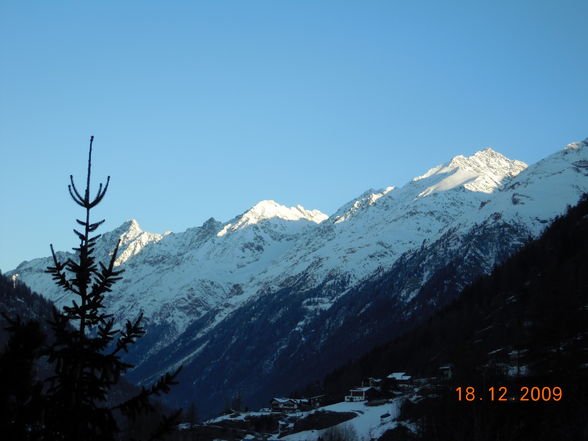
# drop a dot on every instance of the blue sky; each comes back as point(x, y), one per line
point(203, 108)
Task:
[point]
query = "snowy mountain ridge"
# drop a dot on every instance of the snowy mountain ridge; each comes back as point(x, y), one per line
point(261, 248)
point(482, 172)
point(291, 268)
point(271, 210)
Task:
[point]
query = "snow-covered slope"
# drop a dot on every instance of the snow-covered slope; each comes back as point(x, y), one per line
point(375, 229)
point(175, 278)
point(204, 291)
point(545, 189)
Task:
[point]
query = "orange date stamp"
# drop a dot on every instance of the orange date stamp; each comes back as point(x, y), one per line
point(502, 394)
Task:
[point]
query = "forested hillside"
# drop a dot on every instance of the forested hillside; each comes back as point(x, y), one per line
point(525, 325)
point(17, 300)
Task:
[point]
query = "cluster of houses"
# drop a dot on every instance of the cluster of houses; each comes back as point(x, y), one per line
point(375, 388)
point(371, 389)
point(289, 405)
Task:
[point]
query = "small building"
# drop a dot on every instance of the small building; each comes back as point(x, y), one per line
point(316, 401)
point(286, 405)
point(395, 381)
point(362, 394)
point(446, 372)
point(400, 377)
point(371, 382)
point(289, 405)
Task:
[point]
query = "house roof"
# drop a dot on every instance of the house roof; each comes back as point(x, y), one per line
point(399, 376)
point(282, 400)
point(361, 389)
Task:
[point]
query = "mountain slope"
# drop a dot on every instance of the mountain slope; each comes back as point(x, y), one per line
point(524, 325)
point(291, 294)
point(17, 301)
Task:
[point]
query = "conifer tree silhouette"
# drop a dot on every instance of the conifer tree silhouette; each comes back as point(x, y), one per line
point(86, 352)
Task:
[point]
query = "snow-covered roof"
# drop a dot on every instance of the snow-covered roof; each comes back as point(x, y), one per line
point(282, 400)
point(361, 389)
point(399, 376)
point(289, 400)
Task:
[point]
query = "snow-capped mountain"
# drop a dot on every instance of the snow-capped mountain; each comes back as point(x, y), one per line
point(278, 286)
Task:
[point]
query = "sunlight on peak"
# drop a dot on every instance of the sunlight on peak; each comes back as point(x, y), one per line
point(269, 209)
point(486, 161)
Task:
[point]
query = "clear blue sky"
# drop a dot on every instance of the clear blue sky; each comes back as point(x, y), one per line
point(203, 108)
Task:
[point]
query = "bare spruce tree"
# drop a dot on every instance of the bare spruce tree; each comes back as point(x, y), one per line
point(86, 352)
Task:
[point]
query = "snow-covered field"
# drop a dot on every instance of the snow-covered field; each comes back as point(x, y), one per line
point(370, 423)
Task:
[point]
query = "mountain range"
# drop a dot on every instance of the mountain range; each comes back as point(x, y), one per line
point(276, 297)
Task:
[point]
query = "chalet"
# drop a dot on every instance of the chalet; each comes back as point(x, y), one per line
point(400, 377)
point(289, 405)
point(395, 381)
point(362, 394)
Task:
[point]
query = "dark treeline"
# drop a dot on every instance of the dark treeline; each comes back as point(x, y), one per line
point(24, 368)
point(17, 300)
point(523, 325)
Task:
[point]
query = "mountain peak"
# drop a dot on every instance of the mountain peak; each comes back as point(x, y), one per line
point(488, 151)
point(577, 145)
point(489, 154)
point(483, 172)
point(130, 225)
point(485, 160)
point(269, 209)
point(127, 230)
